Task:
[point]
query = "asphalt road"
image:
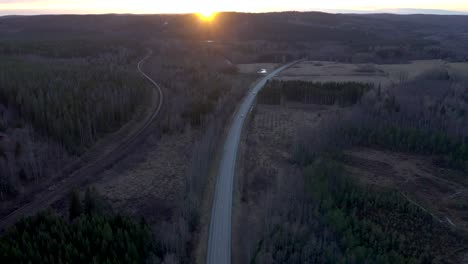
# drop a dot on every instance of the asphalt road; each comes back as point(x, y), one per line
point(219, 243)
point(85, 171)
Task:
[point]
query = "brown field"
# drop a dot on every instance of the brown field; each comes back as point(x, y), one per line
point(324, 71)
point(459, 68)
point(384, 74)
point(150, 183)
point(411, 70)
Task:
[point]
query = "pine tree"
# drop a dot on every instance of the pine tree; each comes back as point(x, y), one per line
point(76, 207)
point(90, 202)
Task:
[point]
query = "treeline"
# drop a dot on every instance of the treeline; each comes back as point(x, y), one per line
point(339, 221)
point(208, 88)
point(452, 151)
point(89, 236)
point(376, 225)
point(25, 156)
point(57, 98)
point(194, 76)
point(201, 91)
point(68, 47)
point(327, 217)
point(423, 117)
point(72, 101)
point(327, 93)
point(48, 238)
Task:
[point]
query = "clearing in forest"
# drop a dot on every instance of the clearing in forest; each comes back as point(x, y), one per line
point(383, 74)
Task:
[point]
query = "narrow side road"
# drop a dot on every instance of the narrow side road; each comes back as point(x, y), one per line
point(84, 173)
point(219, 241)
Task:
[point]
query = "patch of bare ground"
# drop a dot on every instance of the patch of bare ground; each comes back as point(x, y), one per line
point(409, 70)
point(326, 71)
point(151, 182)
point(441, 191)
point(154, 182)
point(384, 74)
point(264, 163)
point(459, 68)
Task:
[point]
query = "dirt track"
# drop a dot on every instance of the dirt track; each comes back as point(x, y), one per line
point(103, 155)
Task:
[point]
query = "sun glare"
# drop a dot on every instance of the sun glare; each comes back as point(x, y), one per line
point(206, 15)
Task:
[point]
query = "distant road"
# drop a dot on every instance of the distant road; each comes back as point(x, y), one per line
point(96, 164)
point(219, 243)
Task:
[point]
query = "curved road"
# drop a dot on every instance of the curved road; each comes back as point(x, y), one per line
point(87, 172)
point(219, 241)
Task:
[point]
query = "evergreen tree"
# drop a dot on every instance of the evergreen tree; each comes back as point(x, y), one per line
point(76, 207)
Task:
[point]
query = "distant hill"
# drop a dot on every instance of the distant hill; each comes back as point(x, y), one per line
point(356, 31)
point(410, 11)
point(398, 11)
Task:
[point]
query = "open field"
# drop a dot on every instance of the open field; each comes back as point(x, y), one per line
point(324, 71)
point(460, 68)
point(410, 70)
point(384, 74)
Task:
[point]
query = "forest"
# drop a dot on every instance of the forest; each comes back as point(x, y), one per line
point(68, 81)
point(75, 95)
point(266, 37)
point(202, 91)
point(57, 99)
point(328, 215)
point(373, 224)
point(74, 102)
point(424, 116)
point(339, 221)
point(89, 236)
point(69, 47)
point(328, 93)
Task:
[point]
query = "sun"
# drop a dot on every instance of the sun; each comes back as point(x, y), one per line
point(206, 15)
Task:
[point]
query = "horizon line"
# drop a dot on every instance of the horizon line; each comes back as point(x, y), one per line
point(395, 11)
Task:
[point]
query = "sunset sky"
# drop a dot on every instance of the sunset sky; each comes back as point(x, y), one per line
point(191, 6)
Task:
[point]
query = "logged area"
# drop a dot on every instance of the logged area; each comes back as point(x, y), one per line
point(354, 171)
point(166, 180)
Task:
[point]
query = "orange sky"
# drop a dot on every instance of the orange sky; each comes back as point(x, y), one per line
point(190, 6)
